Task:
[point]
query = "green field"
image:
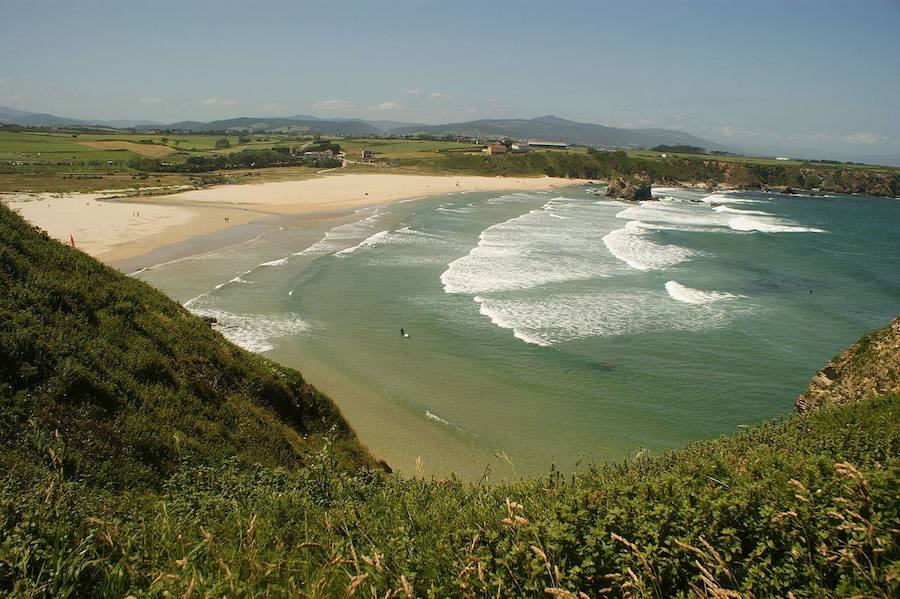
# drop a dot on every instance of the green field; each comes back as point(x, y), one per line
point(387, 149)
point(653, 155)
point(42, 160)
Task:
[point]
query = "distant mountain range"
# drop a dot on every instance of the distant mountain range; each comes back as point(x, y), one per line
point(546, 128)
point(552, 128)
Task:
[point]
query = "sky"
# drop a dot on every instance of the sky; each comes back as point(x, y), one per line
point(821, 77)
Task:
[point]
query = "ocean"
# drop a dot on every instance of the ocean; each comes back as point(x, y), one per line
point(555, 329)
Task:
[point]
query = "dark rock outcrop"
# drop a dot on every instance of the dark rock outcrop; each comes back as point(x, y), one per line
point(868, 368)
point(634, 190)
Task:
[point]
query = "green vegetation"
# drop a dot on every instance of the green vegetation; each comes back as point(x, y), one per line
point(252, 158)
point(55, 161)
point(59, 160)
point(142, 454)
point(135, 383)
point(683, 149)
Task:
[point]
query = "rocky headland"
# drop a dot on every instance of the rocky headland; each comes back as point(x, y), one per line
point(870, 367)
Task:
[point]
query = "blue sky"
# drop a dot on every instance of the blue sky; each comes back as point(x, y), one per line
point(820, 76)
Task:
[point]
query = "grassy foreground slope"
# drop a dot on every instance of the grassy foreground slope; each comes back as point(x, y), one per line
point(192, 477)
point(135, 384)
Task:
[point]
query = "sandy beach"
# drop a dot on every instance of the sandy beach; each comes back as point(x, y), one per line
point(114, 229)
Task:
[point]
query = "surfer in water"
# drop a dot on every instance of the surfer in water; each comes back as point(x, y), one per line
point(403, 332)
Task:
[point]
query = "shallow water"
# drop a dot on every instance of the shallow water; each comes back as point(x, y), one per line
point(556, 327)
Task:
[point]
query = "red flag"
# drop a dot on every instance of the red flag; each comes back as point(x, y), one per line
point(71, 240)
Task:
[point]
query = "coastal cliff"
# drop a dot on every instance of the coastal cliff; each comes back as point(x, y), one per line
point(800, 178)
point(869, 368)
point(742, 174)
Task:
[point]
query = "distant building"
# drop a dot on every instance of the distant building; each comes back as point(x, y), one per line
point(319, 155)
point(520, 148)
point(368, 154)
point(559, 145)
point(493, 149)
point(781, 158)
point(663, 156)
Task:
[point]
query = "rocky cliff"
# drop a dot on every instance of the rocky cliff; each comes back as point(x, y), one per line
point(869, 367)
point(834, 180)
point(632, 189)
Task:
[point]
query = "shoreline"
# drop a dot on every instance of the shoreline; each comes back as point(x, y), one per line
point(132, 233)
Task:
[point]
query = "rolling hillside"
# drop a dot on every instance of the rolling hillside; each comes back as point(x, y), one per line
point(551, 128)
point(548, 128)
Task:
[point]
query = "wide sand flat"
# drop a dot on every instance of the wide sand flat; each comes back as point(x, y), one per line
point(116, 229)
point(340, 191)
point(111, 230)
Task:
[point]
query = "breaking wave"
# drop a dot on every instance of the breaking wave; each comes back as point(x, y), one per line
point(252, 332)
point(687, 295)
point(631, 245)
point(531, 250)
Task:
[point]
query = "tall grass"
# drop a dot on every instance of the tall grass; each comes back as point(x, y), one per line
point(806, 507)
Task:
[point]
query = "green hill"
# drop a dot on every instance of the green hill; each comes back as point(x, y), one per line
point(134, 383)
point(143, 455)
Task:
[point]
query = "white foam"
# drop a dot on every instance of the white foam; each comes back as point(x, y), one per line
point(370, 241)
point(746, 223)
point(740, 211)
point(722, 199)
point(344, 236)
point(237, 279)
point(516, 197)
point(436, 418)
point(533, 249)
point(498, 318)
point(254, 333)
point(692, 217)
point(680, 293)
point(279, 262)
point(632, 246)
point(553, 319)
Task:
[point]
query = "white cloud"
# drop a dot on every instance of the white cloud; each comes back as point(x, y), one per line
point(150, 100)
point(413, 91)
point(806, 138)
point(865, 138)
point(438, 96)
point(332, 104)
point(389, 106)
point(218, 102)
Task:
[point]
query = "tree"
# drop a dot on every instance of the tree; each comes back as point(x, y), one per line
point(222, 143)
point(244, 139)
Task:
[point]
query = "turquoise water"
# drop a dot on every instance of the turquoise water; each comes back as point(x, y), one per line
point(556, 327)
